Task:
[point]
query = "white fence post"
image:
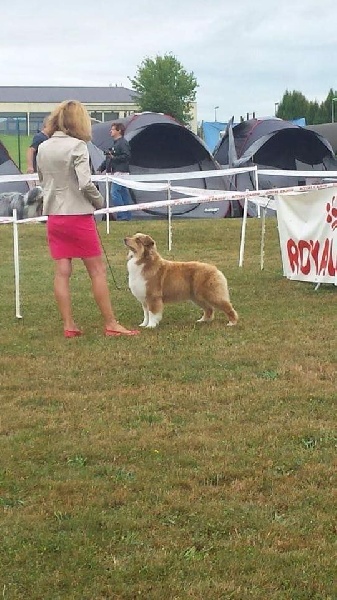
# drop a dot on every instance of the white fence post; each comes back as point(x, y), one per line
point(263, 234)
point(243, 231)
point(169, 215)
point(16, 264)
point(256, 177)
point(107, 204)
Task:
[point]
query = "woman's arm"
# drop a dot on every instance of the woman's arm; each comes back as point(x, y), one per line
point(82, 169)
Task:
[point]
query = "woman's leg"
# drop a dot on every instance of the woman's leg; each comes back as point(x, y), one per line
point(63, 269)
point(97, 272)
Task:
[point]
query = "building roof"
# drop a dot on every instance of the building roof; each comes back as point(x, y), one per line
point(50, 94)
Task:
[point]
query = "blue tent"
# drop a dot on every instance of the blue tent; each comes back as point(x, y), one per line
point(211, 133)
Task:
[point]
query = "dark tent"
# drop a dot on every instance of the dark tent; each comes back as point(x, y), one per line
point(159, 144)
point(8, 167)
point(272, 143)
point(328, 131)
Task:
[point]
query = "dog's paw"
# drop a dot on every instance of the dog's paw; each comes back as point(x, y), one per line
point(143, 324)
point(230, 324)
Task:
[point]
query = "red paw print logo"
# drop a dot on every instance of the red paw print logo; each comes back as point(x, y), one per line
point(331, 209)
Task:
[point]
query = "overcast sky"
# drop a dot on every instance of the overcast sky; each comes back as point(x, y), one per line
point(244, 54)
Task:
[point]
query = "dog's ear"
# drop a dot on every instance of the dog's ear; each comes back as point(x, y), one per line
point(34, 195)
point(147, 241)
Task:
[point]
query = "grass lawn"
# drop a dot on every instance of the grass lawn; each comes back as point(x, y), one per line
point(17, 148)
point(194, 461)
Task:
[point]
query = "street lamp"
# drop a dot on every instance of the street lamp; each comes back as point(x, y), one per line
point(215, 109)
point(332, 109)
point(276, 104)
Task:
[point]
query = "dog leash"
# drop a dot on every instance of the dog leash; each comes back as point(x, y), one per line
point(107, 260)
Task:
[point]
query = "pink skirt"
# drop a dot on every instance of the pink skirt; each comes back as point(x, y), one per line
point(73, 236)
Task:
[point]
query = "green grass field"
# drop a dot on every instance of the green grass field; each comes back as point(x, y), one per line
point(17, 148)
point(194, 461)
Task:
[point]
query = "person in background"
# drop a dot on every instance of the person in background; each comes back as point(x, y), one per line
point(117, 161)
point(39, 137)
point(70, 199)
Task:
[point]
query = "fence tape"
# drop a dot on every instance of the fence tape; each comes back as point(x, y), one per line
point(195, 195)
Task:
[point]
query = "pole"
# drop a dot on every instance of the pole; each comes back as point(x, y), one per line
point(107, 204)
point(243, 231)
point(19, 145)
point(263, 235)
point(256, 178)
point(169, 214)
point(16, 265)
point(333, 109)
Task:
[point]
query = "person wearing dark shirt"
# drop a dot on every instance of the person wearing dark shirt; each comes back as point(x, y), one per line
point(118, 161)
point(32, 151)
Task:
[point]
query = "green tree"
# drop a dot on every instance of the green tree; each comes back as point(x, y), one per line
point(295, 105)
point(314, 115)
point(292, 106)
point(329, 107)
point(163, 85)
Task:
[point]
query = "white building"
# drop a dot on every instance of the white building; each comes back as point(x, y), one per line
point(23, 108)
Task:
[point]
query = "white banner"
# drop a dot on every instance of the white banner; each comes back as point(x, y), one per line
point(308, 235)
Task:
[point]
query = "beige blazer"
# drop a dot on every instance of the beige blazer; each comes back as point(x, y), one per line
point(64, 173)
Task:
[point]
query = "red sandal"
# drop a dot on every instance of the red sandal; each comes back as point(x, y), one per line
point(71, 333)
point(113, 333)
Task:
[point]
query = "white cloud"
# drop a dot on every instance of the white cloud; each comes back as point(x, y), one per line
point(244, 56)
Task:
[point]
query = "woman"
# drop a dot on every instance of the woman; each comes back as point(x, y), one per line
point(70, 199)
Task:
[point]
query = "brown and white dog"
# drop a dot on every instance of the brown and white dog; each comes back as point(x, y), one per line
point(155, 281)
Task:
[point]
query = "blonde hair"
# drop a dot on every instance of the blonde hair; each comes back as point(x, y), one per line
point(72, 118)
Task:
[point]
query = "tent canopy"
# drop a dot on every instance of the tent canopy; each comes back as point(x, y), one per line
point(8, 167)
point(157, 141)
point(276, 144)
point(328, 131)
point(161, 144)
point(271, 143)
